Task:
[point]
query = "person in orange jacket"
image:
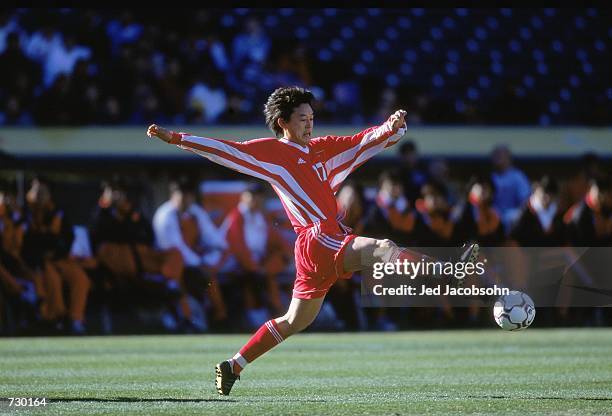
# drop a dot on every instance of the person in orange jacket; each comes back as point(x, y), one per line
point(258, 247)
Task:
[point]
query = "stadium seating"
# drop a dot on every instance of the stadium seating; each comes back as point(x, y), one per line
point(498, 66)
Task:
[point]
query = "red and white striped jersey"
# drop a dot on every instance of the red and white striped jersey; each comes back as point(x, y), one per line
point(305, 178)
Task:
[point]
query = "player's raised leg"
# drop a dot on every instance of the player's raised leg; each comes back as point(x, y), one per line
point(300, 314)
point(362, 252)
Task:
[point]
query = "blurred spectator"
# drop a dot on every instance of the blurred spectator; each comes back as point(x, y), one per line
point(589, 225)
point(388, 105)
point(433, 225)
point(180, 223)
point(42, 42)
point(391, 216)
point(123, 243)
point(206, 51)
point(84, 95)
point(290, 67)
point(477, 219)
point(413, 178)
point(590, 220)
point(439, 173)
point(347, 101)
point(300, 64)
point(20, 75)
point(511, 186)
point(8, 24)
point(206, 100)
point(540, 222)
point(12, 224)
point(18, 288)
point(592, 166)
point(146, 105)
point(262, 253)
point(218, 53)
point(14, 112)
point(282, 74)
point(239, 110)
point(578, 184)
point(123, 30)
point(421, 104)
point(253, 44)
point(172, 91)
point(250, 50)
point(15, 277)
point(62, 58)
point(353, 206)
point(46, 249)
point(111, 111)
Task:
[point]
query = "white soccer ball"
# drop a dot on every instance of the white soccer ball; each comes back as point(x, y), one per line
point(514, 311)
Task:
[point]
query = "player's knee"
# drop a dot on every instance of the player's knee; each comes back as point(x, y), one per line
point(293, 327)
point(384, 250)
point(385, 244)
point(295, 324)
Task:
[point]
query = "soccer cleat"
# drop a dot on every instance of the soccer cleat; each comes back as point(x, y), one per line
point(225, 378)
point(470, 253)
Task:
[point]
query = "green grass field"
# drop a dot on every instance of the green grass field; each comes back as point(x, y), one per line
point(441, 372)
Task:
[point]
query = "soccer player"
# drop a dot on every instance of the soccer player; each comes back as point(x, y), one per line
point(305, 172)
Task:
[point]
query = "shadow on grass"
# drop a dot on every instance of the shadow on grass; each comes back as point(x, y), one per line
point(541, 398)
point(133, 400)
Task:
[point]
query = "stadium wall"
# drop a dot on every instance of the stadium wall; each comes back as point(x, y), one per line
point(451, 142)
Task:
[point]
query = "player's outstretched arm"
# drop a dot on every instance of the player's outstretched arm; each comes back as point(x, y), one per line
point(161, 133)
point(245, 157)
point(397, 121)
point(344, 154)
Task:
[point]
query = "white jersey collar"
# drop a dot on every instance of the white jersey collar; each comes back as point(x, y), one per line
point(297, 146)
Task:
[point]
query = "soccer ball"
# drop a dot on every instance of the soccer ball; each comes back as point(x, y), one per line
point(514, 311)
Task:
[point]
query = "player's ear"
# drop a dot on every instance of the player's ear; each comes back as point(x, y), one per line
point(281, 123)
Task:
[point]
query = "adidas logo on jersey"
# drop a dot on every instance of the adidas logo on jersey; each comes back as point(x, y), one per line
point(300, 161)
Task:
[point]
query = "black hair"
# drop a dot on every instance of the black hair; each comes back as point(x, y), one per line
point(407, 147)
point(436, 188)
point(281, 104)
point(183, 184)
point(548, 185)
point(392, 175)
point(589, 158)
point(604, 183)
point(256, 188)
point(116, 183)
point(44, 180)
point(482, 179)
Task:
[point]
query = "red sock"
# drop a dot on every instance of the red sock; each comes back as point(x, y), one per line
point(266, 338)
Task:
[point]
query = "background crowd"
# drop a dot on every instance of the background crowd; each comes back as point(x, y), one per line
point(196, 270)
point(451, 66)
point(188, 260)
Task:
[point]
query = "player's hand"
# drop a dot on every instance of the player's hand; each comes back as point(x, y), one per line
point(161, 133)
point(397, 120)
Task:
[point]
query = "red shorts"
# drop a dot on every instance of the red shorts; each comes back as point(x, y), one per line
point(319, 259)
